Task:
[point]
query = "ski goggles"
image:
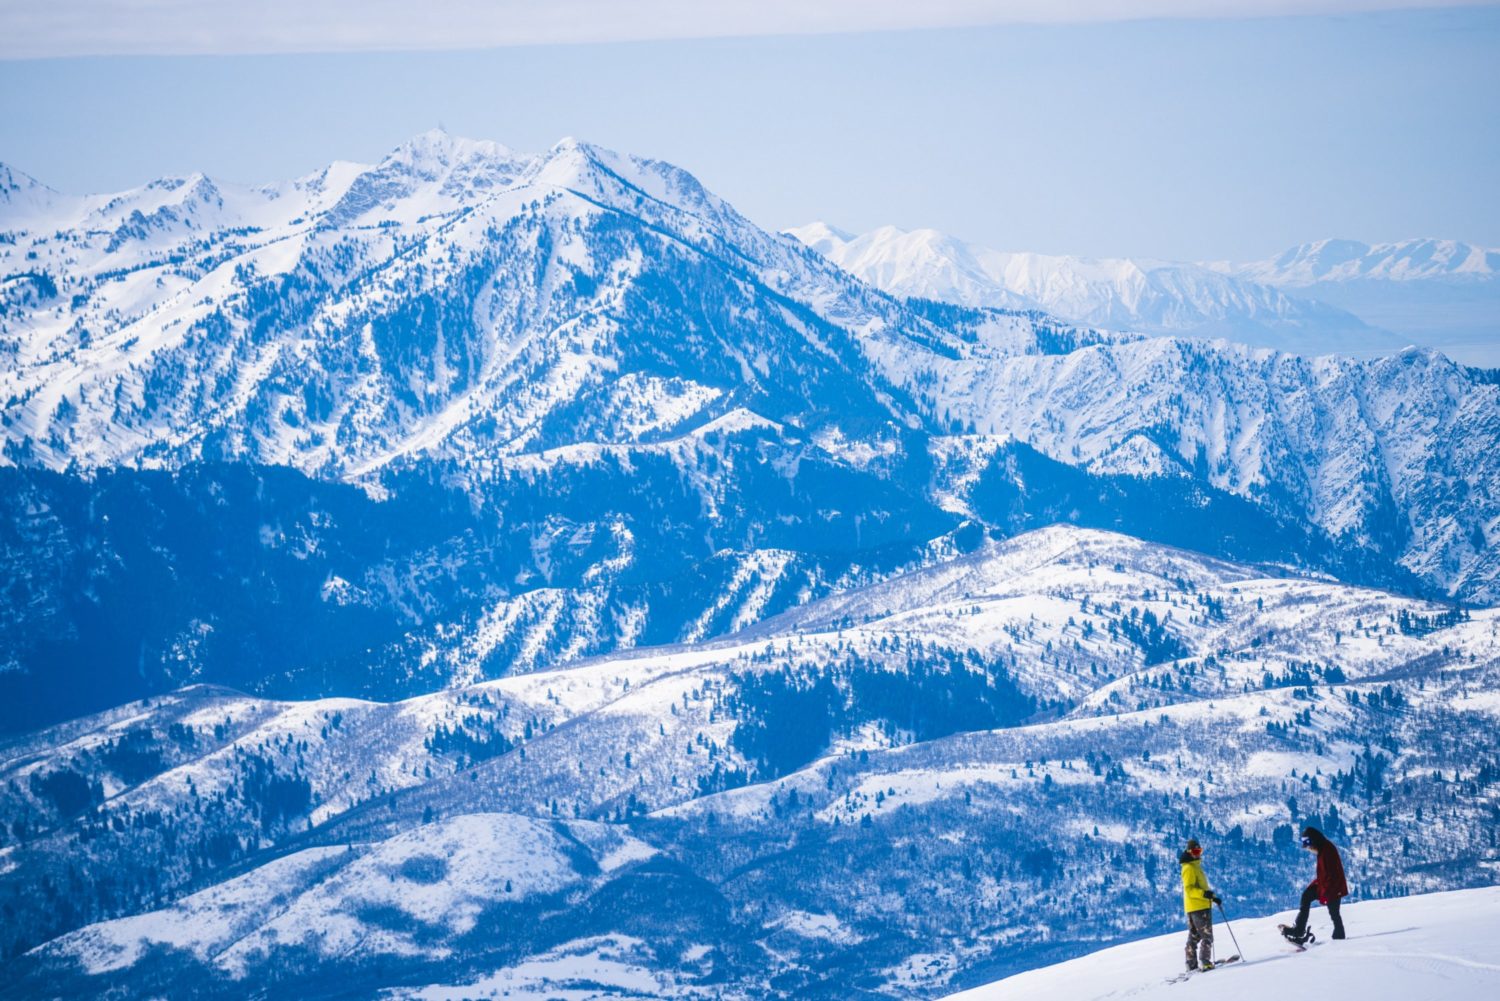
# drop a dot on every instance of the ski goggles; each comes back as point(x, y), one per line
point(1307, 842)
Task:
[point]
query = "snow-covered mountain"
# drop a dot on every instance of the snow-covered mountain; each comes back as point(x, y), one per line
point(735, 818)
point(1156, 297)
point(1429, 946)
point(1443, 293)
point(455, 298)
point(496, 313)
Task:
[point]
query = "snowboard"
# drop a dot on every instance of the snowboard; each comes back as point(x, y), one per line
point(1303, 943)
point(1188, 973)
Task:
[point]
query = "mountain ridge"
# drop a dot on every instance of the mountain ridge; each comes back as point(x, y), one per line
point(1333, 260)
point(463, 304)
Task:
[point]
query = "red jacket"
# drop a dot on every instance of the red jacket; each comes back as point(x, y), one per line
point(1330, 881)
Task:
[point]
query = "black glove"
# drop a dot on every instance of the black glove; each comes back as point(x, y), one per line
point(1215, 898)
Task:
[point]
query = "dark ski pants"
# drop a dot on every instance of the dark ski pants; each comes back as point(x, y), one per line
point(1200, 942)
point(1310, 897)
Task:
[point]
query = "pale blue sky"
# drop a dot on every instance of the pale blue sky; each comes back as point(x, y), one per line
point(1190, 139)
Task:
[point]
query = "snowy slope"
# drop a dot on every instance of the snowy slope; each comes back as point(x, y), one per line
point(1060, 609)
point(439, 877)
point(1346, 444)
point(1437, 945)
point(1073, 689)
point(1152, 296)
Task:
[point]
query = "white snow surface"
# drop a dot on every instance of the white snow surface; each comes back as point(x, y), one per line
point(612, 966)
point(438, 877)
point(1439, 945)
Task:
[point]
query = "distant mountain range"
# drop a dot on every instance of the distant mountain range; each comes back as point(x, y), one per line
point(1332, 261)
point(1444, 293)
point(1334, 296)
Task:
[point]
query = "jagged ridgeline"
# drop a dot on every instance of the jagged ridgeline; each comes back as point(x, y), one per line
point(754, 631)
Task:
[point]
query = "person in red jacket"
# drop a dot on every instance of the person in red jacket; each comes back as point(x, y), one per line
point(1328, 888)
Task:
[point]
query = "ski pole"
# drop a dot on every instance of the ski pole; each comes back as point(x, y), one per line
point(1231, 930)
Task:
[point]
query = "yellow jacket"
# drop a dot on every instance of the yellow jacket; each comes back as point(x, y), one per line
point(1195, 889)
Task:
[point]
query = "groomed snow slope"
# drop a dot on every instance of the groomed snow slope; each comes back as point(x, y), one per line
point(1440, 945)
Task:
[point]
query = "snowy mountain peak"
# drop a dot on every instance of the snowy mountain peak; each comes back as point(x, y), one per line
point(567, 143)
point(23, 198)
point(602, 174)
point(430, 174)
point(458, 302)
point(437, 148)
point(1330, 251)
point(14, 182)
point(820, 236)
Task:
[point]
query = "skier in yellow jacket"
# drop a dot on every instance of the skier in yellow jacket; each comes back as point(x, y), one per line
point(1198, 901)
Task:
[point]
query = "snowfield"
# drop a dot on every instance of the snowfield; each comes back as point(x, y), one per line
point(1438, 945)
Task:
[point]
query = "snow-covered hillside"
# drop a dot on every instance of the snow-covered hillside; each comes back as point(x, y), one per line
point(1436, 945)
point(1346, 444)
point(1068, 701)
point(1156, 297)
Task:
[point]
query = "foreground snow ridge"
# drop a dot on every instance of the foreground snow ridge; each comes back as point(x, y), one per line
point(1438, 945)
